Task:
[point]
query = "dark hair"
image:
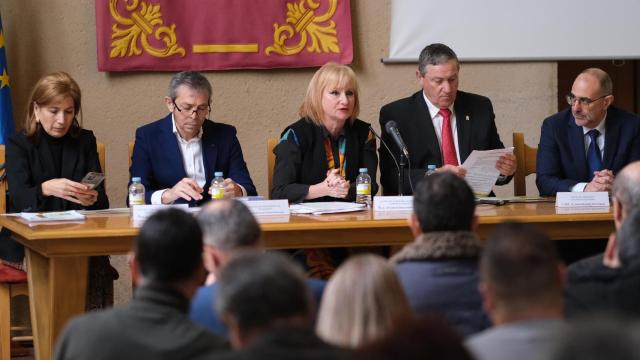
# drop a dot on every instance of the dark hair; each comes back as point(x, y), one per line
point(192, 79)
point(422, 337)
point(520, 265)
point(169, 246)
point(229, 225)
point(435, 54)
point(444, 202)
point(258, 289)
point(629, 238)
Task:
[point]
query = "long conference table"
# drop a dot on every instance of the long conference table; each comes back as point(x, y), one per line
point(57, 255)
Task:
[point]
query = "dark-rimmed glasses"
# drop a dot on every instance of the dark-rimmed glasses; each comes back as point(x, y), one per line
point(198, 111)
point(571, 99)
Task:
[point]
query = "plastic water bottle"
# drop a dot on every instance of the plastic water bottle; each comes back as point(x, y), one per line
point(216, 190)
point(431, 169)
point(136, 192)
point(363, 187)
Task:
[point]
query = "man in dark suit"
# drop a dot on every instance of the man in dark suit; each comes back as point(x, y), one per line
point(569, 159)
point(176, 157)
point(440, 125)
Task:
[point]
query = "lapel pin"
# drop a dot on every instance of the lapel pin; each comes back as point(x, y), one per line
point(466, 117)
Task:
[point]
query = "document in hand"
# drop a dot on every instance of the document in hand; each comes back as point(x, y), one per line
point(481, 169)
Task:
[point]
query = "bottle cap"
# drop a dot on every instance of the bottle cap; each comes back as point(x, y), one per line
point(218, 174)
point(364, 170)
point(136, 179)
point(431, 167)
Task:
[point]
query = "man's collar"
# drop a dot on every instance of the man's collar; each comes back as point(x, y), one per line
point(600, 127)
point(175, 130)
point(433, 110)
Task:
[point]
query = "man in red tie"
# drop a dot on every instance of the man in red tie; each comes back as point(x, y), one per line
point(440, 125)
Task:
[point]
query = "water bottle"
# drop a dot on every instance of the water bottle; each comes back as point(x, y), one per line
point(431, 169)
point(363, 187)
point(136, 192)
point(216, 190)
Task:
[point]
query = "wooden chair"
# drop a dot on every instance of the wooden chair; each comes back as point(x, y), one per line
point(131, 144)
point(526, 157)
point(9, 288)
point(102, 156)
point(271, 162)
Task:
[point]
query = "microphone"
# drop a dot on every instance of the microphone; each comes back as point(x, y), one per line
point(392, 129)
point(385, 146)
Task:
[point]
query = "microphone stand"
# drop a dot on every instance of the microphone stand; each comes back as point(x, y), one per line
point(401, 173)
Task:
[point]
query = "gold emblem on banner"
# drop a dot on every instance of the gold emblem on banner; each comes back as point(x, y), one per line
point(302, 21)
point(145, 21)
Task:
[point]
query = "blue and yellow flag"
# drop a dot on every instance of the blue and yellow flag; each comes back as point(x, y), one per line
point(7, 126)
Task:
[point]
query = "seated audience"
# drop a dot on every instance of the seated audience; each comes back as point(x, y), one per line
point(439, 269)
point(609, 281)
point(419, 338)
point(362, 302)
point(583, 147)
point(229, 228)
point(521, 285)
point(268, 308)
point(167, 267)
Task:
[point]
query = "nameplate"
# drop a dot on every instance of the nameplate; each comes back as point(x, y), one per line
point(393, 203)
point(582, 199)
point(140, 213)
point(267, 207)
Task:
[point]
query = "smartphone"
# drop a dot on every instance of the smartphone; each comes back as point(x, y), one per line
point(92, 179)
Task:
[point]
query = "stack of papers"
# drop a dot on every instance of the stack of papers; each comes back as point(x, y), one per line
point(318, 208)
point(53, 216)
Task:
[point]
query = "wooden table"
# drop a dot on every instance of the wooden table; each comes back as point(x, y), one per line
point(57, 255)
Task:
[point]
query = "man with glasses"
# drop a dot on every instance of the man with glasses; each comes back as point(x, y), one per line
point(176, 157)
point(583, 147)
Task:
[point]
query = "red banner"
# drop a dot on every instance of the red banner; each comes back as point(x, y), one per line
point(176, 35)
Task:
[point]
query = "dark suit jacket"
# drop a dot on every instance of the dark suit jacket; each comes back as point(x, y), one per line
point(475, 122)
point(158, 161)
point(562, 160)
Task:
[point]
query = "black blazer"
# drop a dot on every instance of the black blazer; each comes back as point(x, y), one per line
point(475, 122)
point(29, 164)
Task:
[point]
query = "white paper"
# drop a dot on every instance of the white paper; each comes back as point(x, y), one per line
point(267, 207)
point(582, 199)
point(142, 212)
point(52, 216)
point(318, 208)
point(393, 203)
point(481, 169)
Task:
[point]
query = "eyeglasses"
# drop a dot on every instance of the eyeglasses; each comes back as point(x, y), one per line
point(571, 99)
point(201, 110)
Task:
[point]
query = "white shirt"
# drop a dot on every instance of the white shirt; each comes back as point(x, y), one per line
point(579, 187)
point(437, 120)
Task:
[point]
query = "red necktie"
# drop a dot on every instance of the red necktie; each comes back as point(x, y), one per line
point(448, 147)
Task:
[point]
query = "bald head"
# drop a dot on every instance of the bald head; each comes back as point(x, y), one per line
point(604, 80)
point(626, 188)
point(229, 225)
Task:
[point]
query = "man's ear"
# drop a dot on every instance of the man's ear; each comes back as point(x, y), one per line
point(414, 225)
point(618, 213)
point(611, 257)
point(235, 335)
point(169, 102)
point(475, 223)
point(134, 267)
point(488, 302)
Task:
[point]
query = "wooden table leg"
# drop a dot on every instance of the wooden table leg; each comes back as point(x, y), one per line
point(57, 292)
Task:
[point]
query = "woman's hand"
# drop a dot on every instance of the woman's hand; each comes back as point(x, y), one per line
point(70, 191)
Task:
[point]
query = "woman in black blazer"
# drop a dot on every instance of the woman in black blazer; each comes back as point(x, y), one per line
point(45, 164)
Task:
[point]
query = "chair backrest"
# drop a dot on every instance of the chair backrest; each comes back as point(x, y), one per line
point(271, 161)
point(101, 157)
point(3, 182)
point(526, 157)
point(131, 144)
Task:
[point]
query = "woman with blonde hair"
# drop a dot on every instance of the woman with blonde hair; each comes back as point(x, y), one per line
point(319, 156)
point(361, 303)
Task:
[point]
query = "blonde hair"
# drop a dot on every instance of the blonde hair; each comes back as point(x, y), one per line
point(47, 90)
point(330, 74)
point(361, 302)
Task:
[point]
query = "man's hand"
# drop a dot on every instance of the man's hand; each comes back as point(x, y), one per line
point(231, 189)
point(602, 181)
point(457, 170)
point(186, 188)
point(507, 164)
point(70, 191)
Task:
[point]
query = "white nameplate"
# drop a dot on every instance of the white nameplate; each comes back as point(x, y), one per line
point(582, 199)
point(142, 212)
point(268, 207)
point(393, 203)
